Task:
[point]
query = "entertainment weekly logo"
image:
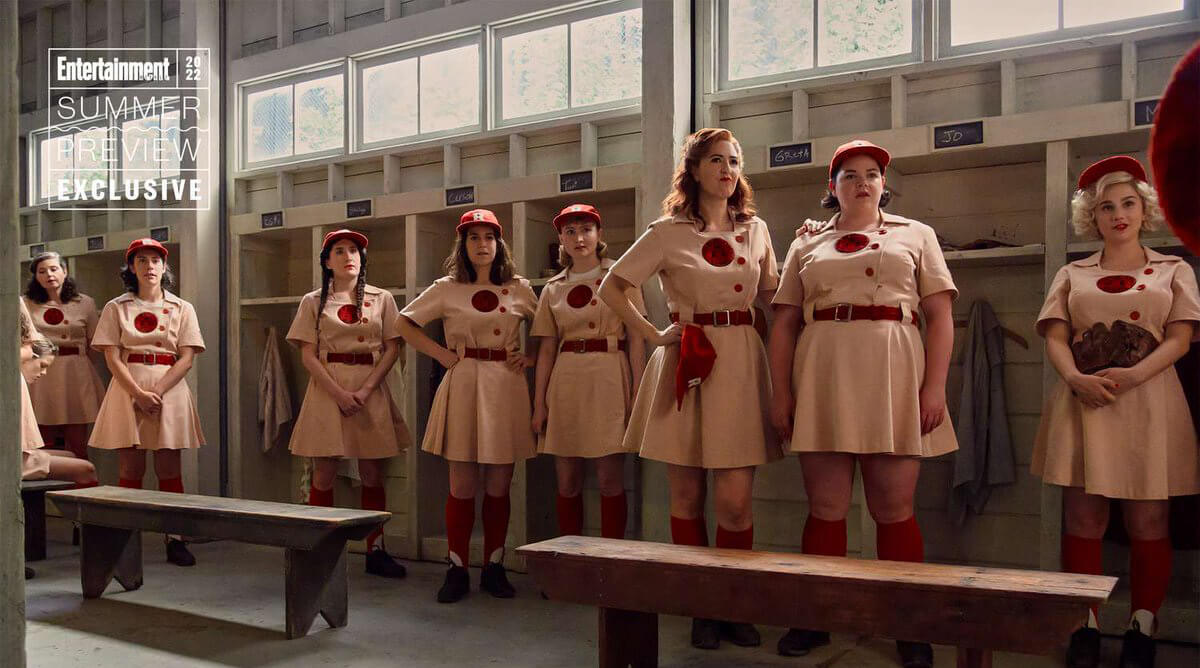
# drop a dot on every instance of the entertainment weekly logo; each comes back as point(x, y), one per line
point(126, 129)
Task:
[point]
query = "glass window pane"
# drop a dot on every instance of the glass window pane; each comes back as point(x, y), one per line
point(319, 124)
point(389, 101)
point(983, 20)
point(269, 124)
point(138, 149)
point(534, 72)
point(56, 165)
point(853, 30)
point(768, 37)
point(92, 153)
point(170, 149)
point(606, 58)
point(1088, 12)
point(450, 89)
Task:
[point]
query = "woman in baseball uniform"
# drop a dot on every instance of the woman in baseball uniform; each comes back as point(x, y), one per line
point(68, 397)
point(348, 341)
point(587, 367)
point(1117, 426)
point(149, 338)
point(702, 404)
point(859, 287)
point(480, 418)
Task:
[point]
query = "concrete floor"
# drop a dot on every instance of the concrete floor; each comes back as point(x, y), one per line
point(228, 611)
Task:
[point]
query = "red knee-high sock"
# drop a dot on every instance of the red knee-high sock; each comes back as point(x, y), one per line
point(613, 513)
point(689, 532)
point(736, 540)
point(900, 541)
point(1149, 573)
point(374, 498)
point(170, 485)
point(570, 515)
point(495, 526)
point(130, 483)
point(824, 537)
point(320, 497)
point(1082, 555)
point(460, 519)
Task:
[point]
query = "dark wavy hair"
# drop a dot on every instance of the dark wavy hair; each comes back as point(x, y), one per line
point(685, 191)
point(458, 264)
point(37, 293)
point(830, 201)
point(129, 277)
point(327, 278)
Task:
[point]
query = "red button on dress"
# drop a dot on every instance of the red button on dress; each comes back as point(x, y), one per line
point(496, 332)
point(364, 320)
point(367, 304)
point(1135, 315)
point(347, 314)
point(598, 281)
point(741, 260)
point(592, 325)
point(1148, 272)
point(737, 287)
point(594, 302)
point(504, 291)
point(874, 246)
point(1141, 287)
point(883, 231)
point(503, 310)
point(167, 312)
point(66, 321)
point(361, 339)
point(740, 238)
point(162, 328)
point(870, 271)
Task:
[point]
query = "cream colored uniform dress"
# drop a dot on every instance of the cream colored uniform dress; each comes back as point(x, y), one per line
point(588, 397)
point(857, 384)
point(35, 464)
point(378, 430)
point(71, 390)
point(138, 327)
point(723, 422)
point(481, 411)
point(1143, 445)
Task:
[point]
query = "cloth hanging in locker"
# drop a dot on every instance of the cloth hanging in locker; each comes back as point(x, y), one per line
point(985, 456)
point(274, 400)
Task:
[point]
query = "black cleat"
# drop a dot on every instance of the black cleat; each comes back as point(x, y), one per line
point(915, 654)
point(741, 634)
point(456, 586)
point(798, 642)
point(1137, 650)
point(380, 563)
point(178, 554)
point(494, 581)
point(706, 633)
point(1084, 650)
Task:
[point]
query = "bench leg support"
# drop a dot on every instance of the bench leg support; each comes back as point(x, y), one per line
point(315, 583)
point(628, 638)
point(973, 657)
point(35, 525)
point(106, 553)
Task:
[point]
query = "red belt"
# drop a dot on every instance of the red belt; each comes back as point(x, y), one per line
point(151, 359)
point(848, 312)
point(589, 346)
point(720, 318)
point(486, 354)
point(68, 350)
point(350, 358)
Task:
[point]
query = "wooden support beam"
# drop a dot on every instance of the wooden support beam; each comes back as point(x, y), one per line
point(1008, 87)
point(286, 187)
point(1058, 195)
point(153, 29)
point(589, 144)
point(517, 155)
point(336, 182)
point(337, 16)
point(451, 165)
point(116, 24)
point(284, 12)
point(391, 174)
point(1129, 70)
point(899, 101)
point(800, 114)
point(392, 9)
point(45, 36)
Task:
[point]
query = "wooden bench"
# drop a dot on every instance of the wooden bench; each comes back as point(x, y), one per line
point(33, 496)
point(976, 609)
point(314, 539)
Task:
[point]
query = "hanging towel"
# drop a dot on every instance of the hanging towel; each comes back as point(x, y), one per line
point(985, 455)
point(274, 402)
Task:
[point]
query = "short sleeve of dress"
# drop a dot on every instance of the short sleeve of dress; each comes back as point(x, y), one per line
point(791, 289)
point(933, 275)
point(768, 276)
point(391, 317)
point(427, 307)
point(108, 328)
point(189, 330)
point(642, 260)
point(1185, 298)
point(543, 320)
point(526, 302)
point(91, 317)
point(1056, 305)
point(304, 325)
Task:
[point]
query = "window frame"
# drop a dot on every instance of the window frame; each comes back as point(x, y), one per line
point(318, 71)
point(503, 30)
point(359, 63)
point(40, 136)
point(945, 49)
point(721, 30)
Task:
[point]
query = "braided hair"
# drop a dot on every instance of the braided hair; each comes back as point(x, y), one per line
point(327, 279)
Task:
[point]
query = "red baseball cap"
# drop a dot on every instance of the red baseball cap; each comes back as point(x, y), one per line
point(576, 211)
point(1117, 163)
point(1174, 144)
point(144, 242)
point(696, 359)
point(357, 237)
point(855, 147)
point(478, 217)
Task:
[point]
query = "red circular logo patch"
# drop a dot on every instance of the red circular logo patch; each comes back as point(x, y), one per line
point(1115, 284)
point(717, 252)
point(145, 322)
point(52, 316)
point(851, 243)
point(579, 296)
point(348, 314)
point(485, 301)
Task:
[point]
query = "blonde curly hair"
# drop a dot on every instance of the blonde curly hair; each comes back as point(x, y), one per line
point(1083, 205)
